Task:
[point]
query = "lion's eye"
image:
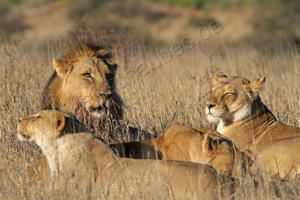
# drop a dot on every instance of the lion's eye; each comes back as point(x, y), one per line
point(87, 75)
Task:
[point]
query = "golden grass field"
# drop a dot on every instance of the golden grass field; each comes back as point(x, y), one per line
point(160, 85)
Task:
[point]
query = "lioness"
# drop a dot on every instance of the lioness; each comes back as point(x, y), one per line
point(200, 145)
point(72, 153)
point(234, 104)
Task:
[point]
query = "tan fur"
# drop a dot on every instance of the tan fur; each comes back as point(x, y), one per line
point(234, 104)
point(73, 154)
point(201, 146)
point(182, 143)
point(282, 158)
point(179, 143)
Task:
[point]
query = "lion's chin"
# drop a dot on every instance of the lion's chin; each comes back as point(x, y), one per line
point(100, 111)
point(98, 114)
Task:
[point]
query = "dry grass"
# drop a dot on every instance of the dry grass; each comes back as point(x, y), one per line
point(157, 92)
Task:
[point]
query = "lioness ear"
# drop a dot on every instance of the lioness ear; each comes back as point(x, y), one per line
point(208, 143)
point(219, 77)
point(59, 67)
point(60, 121)
point(212, 145)
point(256, 85)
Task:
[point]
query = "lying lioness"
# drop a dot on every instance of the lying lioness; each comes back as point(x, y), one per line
point(235, 106)
point(72, 153)
point(182, 143)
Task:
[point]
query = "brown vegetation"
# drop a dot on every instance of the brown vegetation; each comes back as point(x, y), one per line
point(161, 85)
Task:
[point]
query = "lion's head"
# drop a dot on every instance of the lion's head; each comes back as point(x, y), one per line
point(231, 98)
point(84, 79)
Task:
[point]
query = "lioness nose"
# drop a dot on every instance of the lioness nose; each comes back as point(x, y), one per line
point(211, 106)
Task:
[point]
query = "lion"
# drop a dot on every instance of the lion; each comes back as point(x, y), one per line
point(235, 106)
point(182, 143)
point(72, 153)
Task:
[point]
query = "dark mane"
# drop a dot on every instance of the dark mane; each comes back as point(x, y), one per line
point(45, 104)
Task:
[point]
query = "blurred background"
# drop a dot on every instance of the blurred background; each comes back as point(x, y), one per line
point(152, 21)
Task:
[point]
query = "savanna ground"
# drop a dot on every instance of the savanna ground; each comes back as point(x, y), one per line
point(167, 56)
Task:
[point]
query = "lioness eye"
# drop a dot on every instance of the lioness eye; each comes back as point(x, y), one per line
point(87, 75)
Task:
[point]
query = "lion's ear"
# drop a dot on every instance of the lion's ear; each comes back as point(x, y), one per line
point(256, 85)
point(104, 53)
point(59, 67)
point(219, 77)
point(60, 121)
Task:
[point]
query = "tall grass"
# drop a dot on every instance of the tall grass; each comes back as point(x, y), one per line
point(158, 90)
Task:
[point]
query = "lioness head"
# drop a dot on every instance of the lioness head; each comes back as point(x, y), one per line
point(220, 152)
point(45, 125)
point(84, 78)
point(231, 98)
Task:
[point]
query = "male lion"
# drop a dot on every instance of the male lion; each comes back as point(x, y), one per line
point(234, 104)
point(73, 153)
point(182, 143)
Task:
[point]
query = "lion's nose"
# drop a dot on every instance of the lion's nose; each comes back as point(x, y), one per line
point(209, 106)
